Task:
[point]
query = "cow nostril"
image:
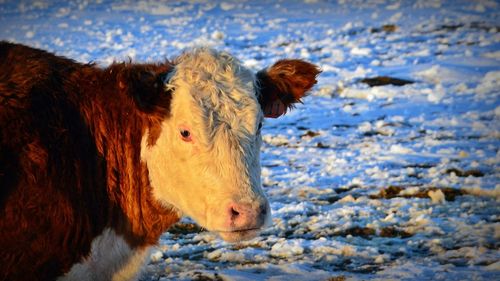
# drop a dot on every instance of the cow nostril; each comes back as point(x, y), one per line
point(234, 213)
point(263, 211)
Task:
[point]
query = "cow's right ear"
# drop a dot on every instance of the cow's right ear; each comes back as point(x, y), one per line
point(146, 86)
point(283, 84)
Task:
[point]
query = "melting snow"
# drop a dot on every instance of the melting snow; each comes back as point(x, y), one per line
point(332, 166)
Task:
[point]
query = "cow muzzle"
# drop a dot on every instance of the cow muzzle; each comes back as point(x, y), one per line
point(245, 220)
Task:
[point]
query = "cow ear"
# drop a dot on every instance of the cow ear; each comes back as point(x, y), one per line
point(284, 84)
point(146, 86)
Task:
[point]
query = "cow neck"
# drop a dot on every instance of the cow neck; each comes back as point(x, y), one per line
point(117, 126)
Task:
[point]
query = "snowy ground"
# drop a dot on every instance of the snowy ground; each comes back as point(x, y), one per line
point(366, 182)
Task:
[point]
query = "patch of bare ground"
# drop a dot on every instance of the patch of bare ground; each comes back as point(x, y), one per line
point(198, 276)
point(369, 233)
point(321, 145)
point(337, 278)
point(395, 191)
point(185, 228)
point(346, 188)
point(310, 134)
point(388, 28)
point(391, 231)
point(364, 232)
point(465, 173)
point(385, 80)
point(473, 25)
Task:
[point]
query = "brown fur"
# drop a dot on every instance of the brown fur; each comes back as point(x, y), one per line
point(286, 82)
point(70, 137)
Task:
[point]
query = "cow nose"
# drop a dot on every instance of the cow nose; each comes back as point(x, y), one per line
point(247, 216)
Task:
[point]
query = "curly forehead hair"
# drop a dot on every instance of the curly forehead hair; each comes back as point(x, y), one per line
point(219, 83)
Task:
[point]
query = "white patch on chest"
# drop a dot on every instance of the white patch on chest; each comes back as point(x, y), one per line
point(111, 258)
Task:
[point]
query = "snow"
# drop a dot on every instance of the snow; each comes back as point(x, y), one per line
point(437, 196)
point(326, 163)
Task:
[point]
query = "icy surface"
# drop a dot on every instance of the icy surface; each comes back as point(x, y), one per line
point(380, 183)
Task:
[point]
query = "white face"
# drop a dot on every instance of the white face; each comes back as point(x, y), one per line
point(206, 161)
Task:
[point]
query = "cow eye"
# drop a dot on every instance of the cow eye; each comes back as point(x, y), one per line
point(185, 135)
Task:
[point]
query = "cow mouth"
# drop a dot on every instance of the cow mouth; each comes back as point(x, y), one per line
point(239, 235)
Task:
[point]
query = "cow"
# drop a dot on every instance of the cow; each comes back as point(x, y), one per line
point(97, 162)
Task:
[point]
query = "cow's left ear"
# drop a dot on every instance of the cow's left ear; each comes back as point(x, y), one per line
point(146, 85)
point(284, 84)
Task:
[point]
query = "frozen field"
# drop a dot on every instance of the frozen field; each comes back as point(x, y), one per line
point(390, 169)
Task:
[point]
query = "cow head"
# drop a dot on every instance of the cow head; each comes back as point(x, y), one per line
point(205, 162)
